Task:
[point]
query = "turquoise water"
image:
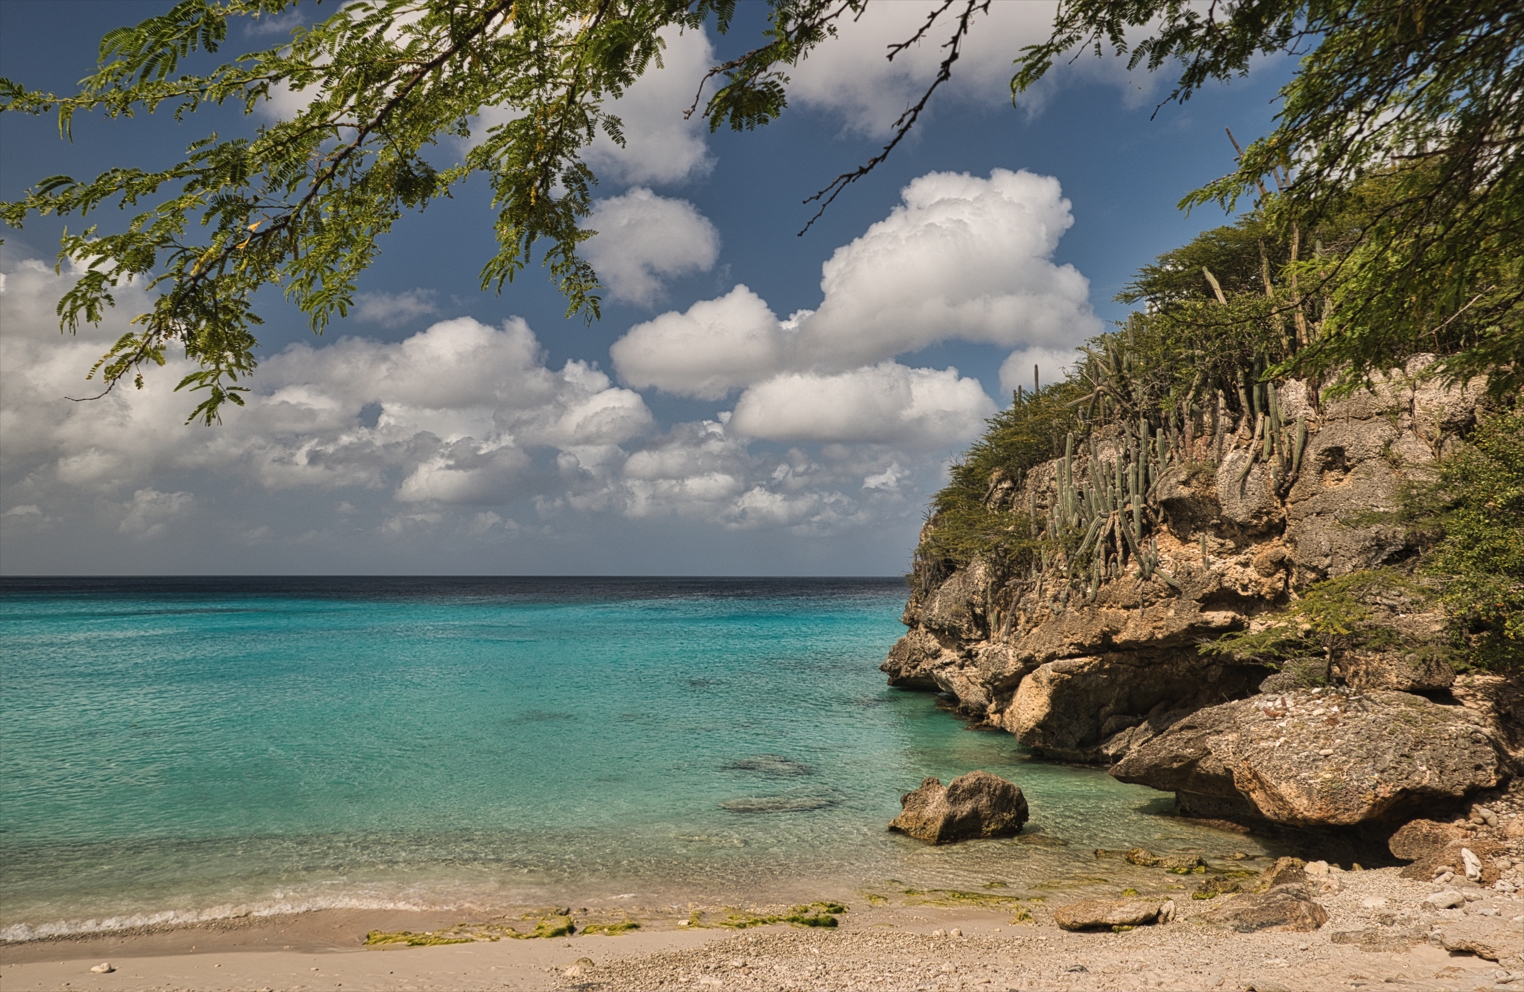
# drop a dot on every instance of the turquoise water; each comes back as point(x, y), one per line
point(183, 749)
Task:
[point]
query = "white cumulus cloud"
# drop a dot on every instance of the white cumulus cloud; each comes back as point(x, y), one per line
point(882, 404)
point(851, 76)
point(706, 351)
point(961, 258)
point(644, 238)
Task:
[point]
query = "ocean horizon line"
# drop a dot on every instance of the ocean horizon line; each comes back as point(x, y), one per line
point(441, 575)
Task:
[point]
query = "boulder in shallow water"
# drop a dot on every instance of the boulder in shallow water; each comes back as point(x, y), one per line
point(1284, 907)
point(1102, 914)
point(971, 806)
point(1335, 758)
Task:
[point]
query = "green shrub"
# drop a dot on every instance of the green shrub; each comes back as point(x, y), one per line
point(1331, 615)
point(1472, 518)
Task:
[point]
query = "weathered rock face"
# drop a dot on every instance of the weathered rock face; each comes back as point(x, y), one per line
point(1315, 758)
point(970, 807)
point(1093, 708)
point(1092, 679)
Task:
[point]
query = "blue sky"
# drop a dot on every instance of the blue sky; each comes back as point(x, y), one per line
point(695, 429)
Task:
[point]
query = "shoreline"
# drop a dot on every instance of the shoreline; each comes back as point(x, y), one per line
point(1379, 930)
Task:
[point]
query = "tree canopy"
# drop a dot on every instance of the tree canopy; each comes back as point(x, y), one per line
point(1401, 131)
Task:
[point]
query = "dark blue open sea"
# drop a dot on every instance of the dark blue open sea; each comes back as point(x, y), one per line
point(182, 749)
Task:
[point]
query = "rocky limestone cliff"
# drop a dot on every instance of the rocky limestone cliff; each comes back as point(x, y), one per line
point(1092, 675)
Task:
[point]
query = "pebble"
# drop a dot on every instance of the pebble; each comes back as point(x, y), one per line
point(104, 968)
point(1448, 899)
point(1473, 864)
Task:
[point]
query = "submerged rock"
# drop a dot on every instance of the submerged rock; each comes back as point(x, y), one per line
point(1284, 907)
point(770, 764)
point(778, 804)
point(1098, 914)
point(1311, 758)
point(1180, 864)
point(971, 806)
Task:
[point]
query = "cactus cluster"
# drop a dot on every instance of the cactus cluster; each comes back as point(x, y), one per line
point(1122, 420)
point(1103, 517)
point(1277, 443)
point(1105, 511)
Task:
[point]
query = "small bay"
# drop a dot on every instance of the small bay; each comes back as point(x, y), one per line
point(180, 749)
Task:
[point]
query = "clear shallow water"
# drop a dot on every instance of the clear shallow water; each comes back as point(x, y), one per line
point(182, 749)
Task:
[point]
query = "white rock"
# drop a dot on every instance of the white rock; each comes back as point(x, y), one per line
point(1473, 864)
point(104, 968)
point(1472, 895)
point(1316, 868)
point(939, 933)
point(1448, 899)
point(955, 932)
point(1167, 911)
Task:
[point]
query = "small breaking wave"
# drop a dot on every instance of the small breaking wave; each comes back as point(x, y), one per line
point(276, 906)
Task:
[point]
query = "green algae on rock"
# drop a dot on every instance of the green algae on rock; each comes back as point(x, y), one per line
point(815, 914)
point(467, 933)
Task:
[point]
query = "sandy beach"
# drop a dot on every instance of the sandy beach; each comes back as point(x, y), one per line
point(1380, 933)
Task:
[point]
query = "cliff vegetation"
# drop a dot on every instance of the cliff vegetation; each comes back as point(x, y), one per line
point(1234, 581)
